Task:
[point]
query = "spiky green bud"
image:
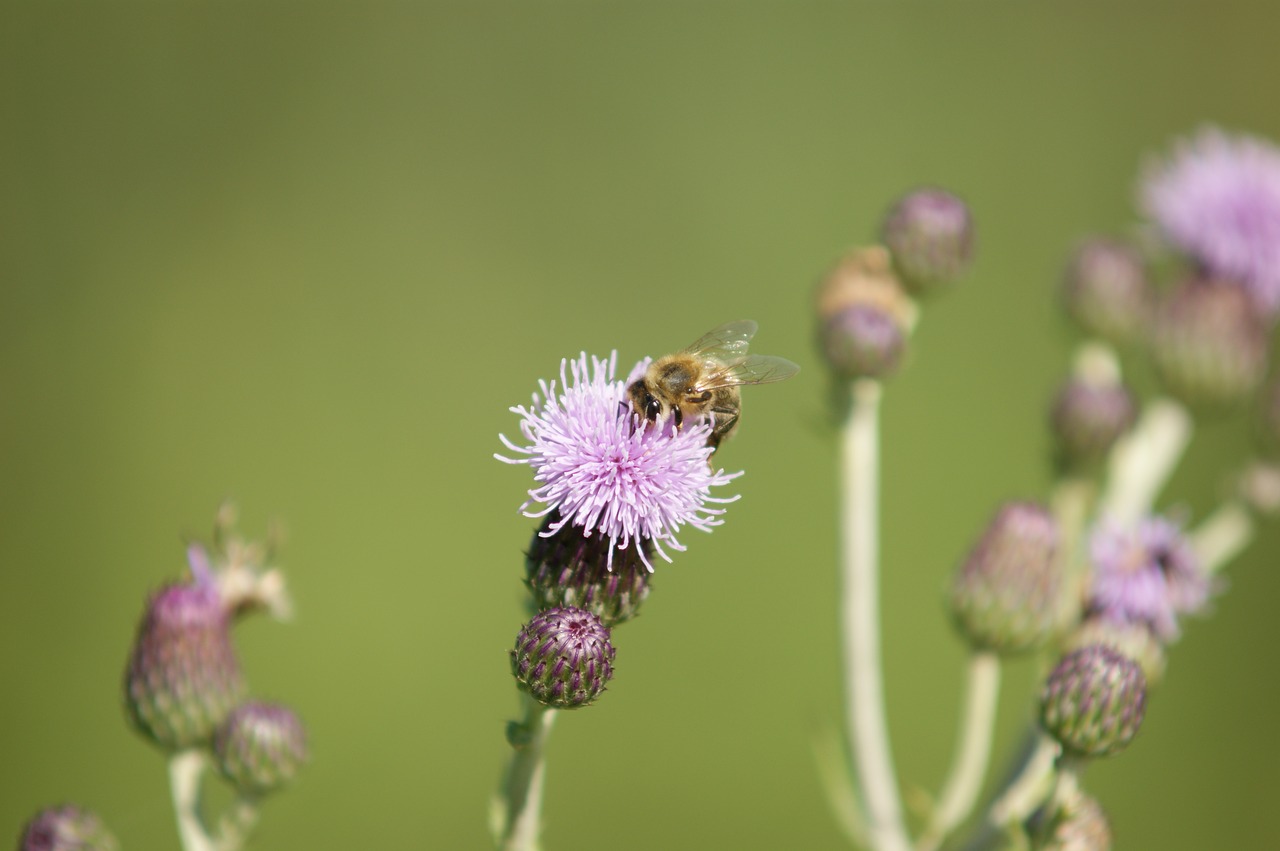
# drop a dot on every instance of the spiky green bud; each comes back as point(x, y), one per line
point(183, 677)
point(1093, 701)
point(563, 657)
point(1005, 596)
point(66, 828)
point(567, 568)
point(260, 747)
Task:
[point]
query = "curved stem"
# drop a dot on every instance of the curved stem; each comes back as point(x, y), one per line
point(186, 770)
point(973, 751)
point(521, 794)
point(1030, 787)
point(864, 680)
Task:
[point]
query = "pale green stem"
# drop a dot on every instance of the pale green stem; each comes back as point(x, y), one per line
point(973, 751)
point(1221, 537)
point(520, 821)
point(1030, 787)
point(238, 823)
point(833, 770)
point(1070, 503)
point(1143, 460)
point(860, 602)
point(186, 770)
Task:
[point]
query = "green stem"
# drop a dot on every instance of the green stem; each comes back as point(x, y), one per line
point(864, 680)
point(520, 819)
point(973, 751)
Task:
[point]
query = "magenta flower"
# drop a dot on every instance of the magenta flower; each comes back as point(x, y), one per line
point(602, 471)
point(1146, 575)
point(1217, 198)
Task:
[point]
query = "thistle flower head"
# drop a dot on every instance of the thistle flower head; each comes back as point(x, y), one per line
point(603, 472)
point(1145, 575)
point(1005, 596)
point(260, 747)
point(1217, 199)
point(862, 341)
point(1107, 291)
point(563, 657)
point(929, 232)
point(66, 828)
point(183, 677)
point(1092, 410)
point(1080, 825)
point(1093, 701)
point(567, 568)
point(1209, 343)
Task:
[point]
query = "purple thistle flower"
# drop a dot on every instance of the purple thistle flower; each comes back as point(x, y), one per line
point(602, 471)
point(1146, 575)
point(1217, 198)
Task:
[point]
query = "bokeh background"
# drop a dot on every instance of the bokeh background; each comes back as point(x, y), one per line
point(306, 255)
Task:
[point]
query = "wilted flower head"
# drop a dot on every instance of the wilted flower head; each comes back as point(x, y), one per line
point(1217, 198)
point(602, 470)
point(66, 828)
point(1146, 575)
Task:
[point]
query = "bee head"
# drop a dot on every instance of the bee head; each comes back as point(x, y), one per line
point(646, 404)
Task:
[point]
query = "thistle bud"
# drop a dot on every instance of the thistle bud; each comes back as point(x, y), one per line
point(260, 747)
point(1093, 701)
point(1005, 596)
point(1107, 291)
point(1209, 343)
point(563, 657)
point(1092, 410)
point(183, 677)
point(930, 235)
point(66, 828)
point(1081, 825)
point(567, 568)
point(862, 342)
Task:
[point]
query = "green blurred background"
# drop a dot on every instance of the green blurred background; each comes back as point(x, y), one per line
point(306, 255)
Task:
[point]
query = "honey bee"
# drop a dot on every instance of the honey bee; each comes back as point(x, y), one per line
point(701, 382)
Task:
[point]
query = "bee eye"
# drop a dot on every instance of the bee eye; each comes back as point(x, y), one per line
point(652, 408)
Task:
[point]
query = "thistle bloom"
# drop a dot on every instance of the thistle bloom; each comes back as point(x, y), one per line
point(1217, 198)
point(1147, 575)
point(605, 472)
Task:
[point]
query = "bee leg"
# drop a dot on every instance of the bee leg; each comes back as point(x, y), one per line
point(721, 428)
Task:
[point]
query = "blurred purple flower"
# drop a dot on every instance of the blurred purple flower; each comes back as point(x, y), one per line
point(1217, 198)
point(1146, 575)
point(604, 473)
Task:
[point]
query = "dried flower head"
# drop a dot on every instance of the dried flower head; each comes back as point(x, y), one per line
point(1217, 199)
point(1145, 575)
point(603, 472)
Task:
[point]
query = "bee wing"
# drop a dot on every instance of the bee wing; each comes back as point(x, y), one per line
point(752, 369)
point(725, 343)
